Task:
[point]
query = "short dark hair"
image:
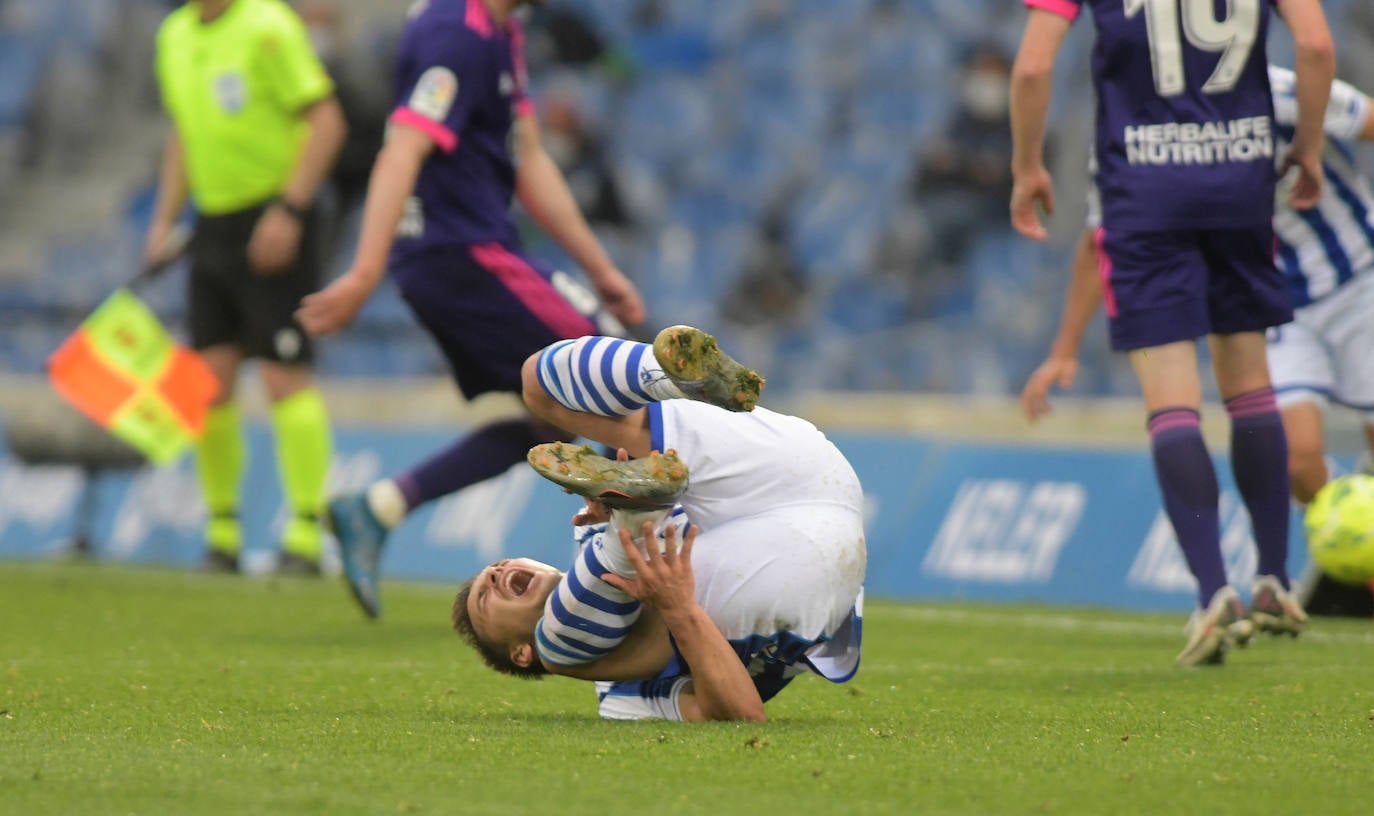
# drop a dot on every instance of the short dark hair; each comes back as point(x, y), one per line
point(494, 657)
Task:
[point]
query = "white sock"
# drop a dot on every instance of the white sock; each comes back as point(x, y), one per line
point(387, 502)
point(612, 554)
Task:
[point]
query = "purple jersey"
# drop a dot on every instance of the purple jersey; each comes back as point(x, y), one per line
point(1185, 135)
point(461, 79)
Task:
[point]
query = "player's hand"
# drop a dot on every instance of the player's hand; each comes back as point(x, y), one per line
point(664, 581)
point(1056, 370)
point(619, 296)
point(1029, 189)
point(275, 243)
point(334, 306)
point(593, 513)
point(1307, 187)
point(158, 246)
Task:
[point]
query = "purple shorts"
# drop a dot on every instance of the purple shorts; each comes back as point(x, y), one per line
point(489, 307)
point(1163, 287)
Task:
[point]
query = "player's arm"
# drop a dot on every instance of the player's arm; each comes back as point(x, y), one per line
point(389, 187)
point(169, 200)
point(1031, 79)
point(327, 133)
point(720, 688)
point(1080, 304)
point(544, 192)
point(641, 656)
point(297, 83)
point(1315, 66)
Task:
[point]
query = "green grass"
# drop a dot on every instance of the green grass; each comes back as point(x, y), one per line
point(140, 691)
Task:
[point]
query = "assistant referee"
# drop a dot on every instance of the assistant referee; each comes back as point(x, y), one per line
point(255, 129)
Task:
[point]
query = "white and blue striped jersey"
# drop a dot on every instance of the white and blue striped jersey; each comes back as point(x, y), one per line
point(1322, 249)
point(585, 617)
point(779, 557)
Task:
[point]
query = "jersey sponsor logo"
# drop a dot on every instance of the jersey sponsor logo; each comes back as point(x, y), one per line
point(1005, 531)
point(412, 223)
point(231, 92)
point(506, 84)
point(1159, 566)
point(1249, 138)
point(434, 93)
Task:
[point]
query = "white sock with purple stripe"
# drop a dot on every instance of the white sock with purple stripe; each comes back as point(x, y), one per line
point(604, 375)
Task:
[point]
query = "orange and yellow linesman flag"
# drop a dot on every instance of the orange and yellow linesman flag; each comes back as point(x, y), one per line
point(123, 370)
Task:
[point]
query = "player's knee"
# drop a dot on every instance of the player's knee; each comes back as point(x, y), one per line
point(530, 389)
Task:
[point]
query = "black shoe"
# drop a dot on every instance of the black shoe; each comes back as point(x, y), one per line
point(220, 561)
point(298, 566)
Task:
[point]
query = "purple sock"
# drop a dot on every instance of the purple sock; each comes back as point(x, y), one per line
point(1188, 482)
point(486, 452)
point(1259, 461)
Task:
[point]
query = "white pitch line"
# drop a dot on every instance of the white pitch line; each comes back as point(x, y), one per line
point(1069, 623)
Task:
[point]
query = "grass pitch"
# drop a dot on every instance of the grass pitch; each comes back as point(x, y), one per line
point(143, 691)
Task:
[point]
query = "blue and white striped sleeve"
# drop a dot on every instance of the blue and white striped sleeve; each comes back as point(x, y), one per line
point(584, 617)
point(1345, 112)
point(642, 699)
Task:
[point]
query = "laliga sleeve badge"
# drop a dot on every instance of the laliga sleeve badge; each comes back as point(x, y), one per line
point(434, 93)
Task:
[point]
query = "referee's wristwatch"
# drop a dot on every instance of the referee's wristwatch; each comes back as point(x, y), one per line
point(295, 211)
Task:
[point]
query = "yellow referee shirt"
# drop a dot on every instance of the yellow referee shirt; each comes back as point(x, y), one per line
point(235, 88)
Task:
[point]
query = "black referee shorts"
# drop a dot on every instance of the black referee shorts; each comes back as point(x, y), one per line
point(231, 304)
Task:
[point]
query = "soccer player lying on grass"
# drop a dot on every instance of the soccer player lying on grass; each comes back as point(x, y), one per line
point(768, 582)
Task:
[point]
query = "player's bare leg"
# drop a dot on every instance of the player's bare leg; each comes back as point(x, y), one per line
point(1303, 427)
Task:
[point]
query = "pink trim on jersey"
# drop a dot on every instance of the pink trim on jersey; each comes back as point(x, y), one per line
point(523, 106)
point(532, 290)
point(478, 18)
point(1172, 418)
point(1104, 271)
point(1063, 8)
point(1254, 403)
point(446, 139)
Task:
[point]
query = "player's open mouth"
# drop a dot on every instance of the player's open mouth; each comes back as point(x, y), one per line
point(518, 581)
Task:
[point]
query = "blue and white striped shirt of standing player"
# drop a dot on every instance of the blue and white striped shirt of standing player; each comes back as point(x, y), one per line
point(1324, 248)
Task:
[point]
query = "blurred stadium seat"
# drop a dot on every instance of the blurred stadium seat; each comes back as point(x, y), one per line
point(806, 114)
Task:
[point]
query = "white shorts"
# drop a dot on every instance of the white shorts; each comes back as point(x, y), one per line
point(780, 511)
point(1327, 352)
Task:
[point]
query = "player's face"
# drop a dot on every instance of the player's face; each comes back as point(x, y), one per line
point(507, 599)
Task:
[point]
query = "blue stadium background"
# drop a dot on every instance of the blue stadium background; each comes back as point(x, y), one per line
point(723, 123)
